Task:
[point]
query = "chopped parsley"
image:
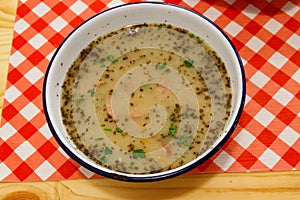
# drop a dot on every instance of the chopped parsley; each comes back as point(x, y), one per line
point(111, 58)
point(159, 26)
point(99, 62)
point(138, 153)
point(200, 41)
point(92, 92)
point(78, 101)
point(119, 130)
point(162, 66)
point(172, 130)
point(188, 63)
point(166, 136)
point(172, 116)
point(107, 151)
point(103, 159)
point(107, 129)
point(185, 140)
point(144, 87)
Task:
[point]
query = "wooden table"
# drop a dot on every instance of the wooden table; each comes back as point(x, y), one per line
point(267, 185)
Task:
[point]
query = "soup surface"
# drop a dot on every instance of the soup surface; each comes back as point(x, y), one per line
point(146, 98)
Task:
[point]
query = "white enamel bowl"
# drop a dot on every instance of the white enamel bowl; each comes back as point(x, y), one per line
point(119, 17)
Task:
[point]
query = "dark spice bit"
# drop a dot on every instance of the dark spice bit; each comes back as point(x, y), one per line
point(131, 147)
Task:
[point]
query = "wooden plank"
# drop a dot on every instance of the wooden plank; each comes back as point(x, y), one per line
point(275, 185)
point(7, 19)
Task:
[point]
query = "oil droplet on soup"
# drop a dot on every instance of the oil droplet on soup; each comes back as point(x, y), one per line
point(146, 98)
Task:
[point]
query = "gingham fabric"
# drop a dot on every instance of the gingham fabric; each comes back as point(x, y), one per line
point(266, 34)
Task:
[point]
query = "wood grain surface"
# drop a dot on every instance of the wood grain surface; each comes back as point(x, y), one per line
point(263, 185)
point(7, 19)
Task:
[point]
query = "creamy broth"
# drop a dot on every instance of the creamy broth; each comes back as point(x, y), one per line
point(146, 98)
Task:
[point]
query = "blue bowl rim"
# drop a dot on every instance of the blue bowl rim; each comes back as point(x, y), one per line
point(154, 177)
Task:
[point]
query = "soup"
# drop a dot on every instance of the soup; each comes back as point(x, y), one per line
point(146, 98)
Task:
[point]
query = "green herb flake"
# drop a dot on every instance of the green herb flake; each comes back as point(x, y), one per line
point(92, 92)
point(78, 101)
point(118, 130)
point(100, 138)
point(188, 63)
point(107, 129)
point(111, 58)
point(103, 159)
point(132, 163)
point(185, 136)
point(159, 26)
point(184, 139)
point(172, 130)
point(162, 66)
point(166, 136)
point(184, 143)
point(200, 41)
point(191, 35)
point(144, 87)
point(172, 116)
point(108, 151)
point(138, 153)
point(99, 62)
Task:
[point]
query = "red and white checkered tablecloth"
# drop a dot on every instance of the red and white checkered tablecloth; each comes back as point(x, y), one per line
point(266, 34)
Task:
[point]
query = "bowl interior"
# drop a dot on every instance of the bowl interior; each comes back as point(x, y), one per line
point(119, 17)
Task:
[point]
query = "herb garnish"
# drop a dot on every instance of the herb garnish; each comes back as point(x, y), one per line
point(119, 130)
point(107, 151)
point(172, 130)
point(188, 63)
point(144, 87)
point(99, 62)
point(92, 92)
point(159, 26)
point(138, 153)
point(111, 58)
point(199, 40)
point(103, 159)
point(162, 66)
point(107, 129)
point(172, 116)
point(184, 139)
point(78, 101)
